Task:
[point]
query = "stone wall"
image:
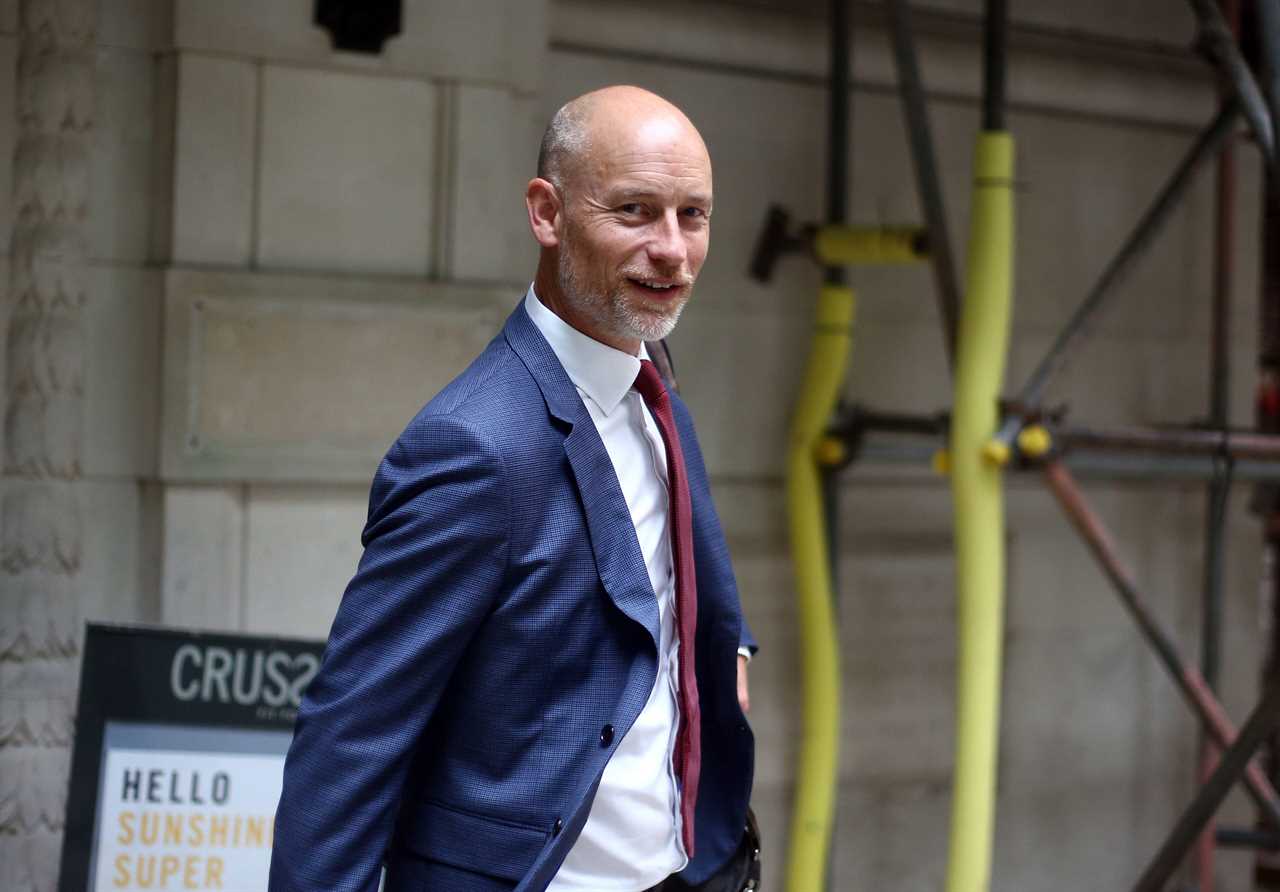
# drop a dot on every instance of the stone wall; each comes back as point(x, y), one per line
point(82, 376)
point(401, 177)
point(278, 232)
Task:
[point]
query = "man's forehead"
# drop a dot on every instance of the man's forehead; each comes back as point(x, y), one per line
point(643, 160)
point(692, 188)
point(618, 130)
point(642, 156)
point(664, 128)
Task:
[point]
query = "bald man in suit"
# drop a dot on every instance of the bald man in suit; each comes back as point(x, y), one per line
point(537, 677)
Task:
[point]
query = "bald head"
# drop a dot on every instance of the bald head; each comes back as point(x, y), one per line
point(621, 209)
point(593, 122)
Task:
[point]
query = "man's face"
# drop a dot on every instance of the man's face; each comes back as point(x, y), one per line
point(637, 224)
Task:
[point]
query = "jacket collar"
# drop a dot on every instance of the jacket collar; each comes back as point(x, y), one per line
point(599, 371)
point(612, 531)
point(562, 399)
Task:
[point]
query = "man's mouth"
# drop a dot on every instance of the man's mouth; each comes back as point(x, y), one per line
point(658, 287)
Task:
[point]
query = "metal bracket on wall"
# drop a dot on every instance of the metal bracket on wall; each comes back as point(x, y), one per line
point(359, 26)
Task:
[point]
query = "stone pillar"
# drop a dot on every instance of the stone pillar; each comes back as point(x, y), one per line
point(40, 518)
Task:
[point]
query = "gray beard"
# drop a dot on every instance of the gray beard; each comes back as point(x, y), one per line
point(610, 312)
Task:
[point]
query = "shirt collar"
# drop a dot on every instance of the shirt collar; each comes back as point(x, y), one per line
point(598, 370)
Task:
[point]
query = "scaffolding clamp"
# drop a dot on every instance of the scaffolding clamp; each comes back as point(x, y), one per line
point(831, 452)
point(996, 453)
point(835, 245)
point(941, 463)
point(1034, 441)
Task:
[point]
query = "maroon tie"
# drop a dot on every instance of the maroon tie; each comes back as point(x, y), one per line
point(687, 758)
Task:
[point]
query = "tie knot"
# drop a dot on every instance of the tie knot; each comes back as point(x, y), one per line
point(649, 383)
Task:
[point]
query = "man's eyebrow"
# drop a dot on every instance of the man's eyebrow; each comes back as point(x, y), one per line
point(619, 192)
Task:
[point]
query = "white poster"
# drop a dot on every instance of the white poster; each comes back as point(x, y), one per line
point(173, 819)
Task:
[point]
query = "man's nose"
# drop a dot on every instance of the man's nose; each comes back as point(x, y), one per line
point(667, 246)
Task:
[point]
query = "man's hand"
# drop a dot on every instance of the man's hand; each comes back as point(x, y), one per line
point(744, 697)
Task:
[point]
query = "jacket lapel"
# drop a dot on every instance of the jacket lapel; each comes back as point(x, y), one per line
point(612, 533)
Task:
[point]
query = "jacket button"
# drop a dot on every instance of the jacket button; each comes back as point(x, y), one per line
point(606, 735)
point(555, 831)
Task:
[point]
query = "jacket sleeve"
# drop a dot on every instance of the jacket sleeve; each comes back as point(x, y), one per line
point(435, 556)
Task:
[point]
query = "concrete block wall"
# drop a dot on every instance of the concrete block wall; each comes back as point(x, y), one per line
point(298, 164)
point(119, 499)
point(111, 521)
point(231, 137)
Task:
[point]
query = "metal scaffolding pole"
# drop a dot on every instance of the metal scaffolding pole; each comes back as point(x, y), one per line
point(1219, 44)
point(1247, 838)
point(916, 114)
point(1205, 147)
point(1266, 498)
point(1233, 445)
point(1235, 760)
point(1219, 488)
point(1189, 681)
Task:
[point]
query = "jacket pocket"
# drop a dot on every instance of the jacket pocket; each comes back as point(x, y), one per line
point(488, 846)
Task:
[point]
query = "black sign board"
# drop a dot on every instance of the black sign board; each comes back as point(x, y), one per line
point(180, 737)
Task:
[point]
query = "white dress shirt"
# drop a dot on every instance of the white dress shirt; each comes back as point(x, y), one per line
point(632, 836)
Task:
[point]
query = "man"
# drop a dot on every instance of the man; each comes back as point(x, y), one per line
point(536, 678)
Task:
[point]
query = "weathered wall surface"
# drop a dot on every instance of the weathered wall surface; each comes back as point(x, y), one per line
point(293, 165)
point(230, 137)
point(291, 248)
point(82, 370)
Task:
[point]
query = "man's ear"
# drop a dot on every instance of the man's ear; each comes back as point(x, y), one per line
point(544, 206)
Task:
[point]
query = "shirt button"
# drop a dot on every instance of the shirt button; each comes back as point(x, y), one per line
point(606, 735)
point(555, 831)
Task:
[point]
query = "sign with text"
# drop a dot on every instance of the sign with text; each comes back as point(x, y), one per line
point(176, 771)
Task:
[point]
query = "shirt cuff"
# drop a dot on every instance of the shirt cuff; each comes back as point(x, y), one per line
point(745, 652)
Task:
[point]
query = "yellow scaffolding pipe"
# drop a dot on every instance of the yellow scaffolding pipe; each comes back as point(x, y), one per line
point(810, 554)
point(975, 467)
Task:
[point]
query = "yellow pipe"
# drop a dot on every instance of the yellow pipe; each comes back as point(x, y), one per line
point(979, 512)
point(836, 245)
point(820, 659)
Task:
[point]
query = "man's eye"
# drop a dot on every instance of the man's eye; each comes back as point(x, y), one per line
point(630, 208)
point(694, 212)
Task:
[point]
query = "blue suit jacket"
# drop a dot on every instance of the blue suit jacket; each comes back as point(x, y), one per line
point(500, 618)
